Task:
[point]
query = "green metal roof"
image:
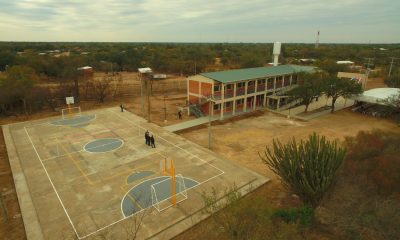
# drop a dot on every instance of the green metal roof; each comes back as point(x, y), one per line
point(252, 73)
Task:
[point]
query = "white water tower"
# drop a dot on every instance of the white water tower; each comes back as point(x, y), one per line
point(276, 52)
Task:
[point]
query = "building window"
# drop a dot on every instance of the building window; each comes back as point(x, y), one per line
point(217, 106)
point(261, 81)
point(240, 85)
point(270, 80)
point(229, 87)
point(228, 104)
point(239, 101)
point(251, 83)
point(217, 88)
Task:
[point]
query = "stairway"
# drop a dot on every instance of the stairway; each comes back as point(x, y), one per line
point(196, 110)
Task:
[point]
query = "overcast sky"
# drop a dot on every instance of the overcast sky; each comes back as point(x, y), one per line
point(343, 21)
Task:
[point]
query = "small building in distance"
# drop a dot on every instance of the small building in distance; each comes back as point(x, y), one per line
point(87, 71)
point(238, 91)
point(359, 77)
point(159, 76)
point(345, 62)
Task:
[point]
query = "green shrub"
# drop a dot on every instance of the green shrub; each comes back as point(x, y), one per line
point(308, 167)
point(303, 215)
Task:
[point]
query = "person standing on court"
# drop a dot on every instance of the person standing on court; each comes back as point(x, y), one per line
point(147, 137)
point(122, 107)
point(153, 145)
point(180, 114)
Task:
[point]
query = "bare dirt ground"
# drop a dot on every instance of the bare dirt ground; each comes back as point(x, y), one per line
point(238, 140)
point(242, 140)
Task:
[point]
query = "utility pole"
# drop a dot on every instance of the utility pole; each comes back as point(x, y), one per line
point(165, 110)
point(391, 65)
point(141, 93)
point(367, 72)
point(148, 99)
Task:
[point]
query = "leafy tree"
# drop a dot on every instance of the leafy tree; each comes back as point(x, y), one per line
point(16, 87)
point(337, 87)
point(310, 86)
point(393, 80)
point(331, 67)
point(308, 167)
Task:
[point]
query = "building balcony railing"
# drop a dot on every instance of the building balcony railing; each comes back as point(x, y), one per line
point(217, 95)
point(240, 92)
point(228, 94)
point(250, 90)
point(260, 87)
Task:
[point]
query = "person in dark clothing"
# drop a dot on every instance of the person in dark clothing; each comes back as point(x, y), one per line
point(180, 114)
point(147, 137)
point(122, 107)
point(153, 145)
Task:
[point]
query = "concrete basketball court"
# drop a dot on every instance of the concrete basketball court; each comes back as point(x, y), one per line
point(87, 176)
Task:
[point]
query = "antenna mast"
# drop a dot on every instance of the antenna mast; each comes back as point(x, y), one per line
point(317, 41)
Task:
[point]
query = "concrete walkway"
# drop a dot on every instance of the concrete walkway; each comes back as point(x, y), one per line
point(341, 103)
point(293, 113)
point(190, 123)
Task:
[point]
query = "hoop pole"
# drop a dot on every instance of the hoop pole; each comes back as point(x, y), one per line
point(69, 108)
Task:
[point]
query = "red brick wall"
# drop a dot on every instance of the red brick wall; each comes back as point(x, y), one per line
point(193, 99)
point(205, 107)
point(193, 86)
point(206, 89)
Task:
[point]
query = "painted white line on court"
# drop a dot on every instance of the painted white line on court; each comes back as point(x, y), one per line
point(52, 184)
point(175, 145)
point(106, 144)
point(124, 217)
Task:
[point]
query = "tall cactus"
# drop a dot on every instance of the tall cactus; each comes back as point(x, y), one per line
point(308, 167)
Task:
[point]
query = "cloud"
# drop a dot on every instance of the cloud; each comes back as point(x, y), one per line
point(199, 20)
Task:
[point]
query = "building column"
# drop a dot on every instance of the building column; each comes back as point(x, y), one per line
point(254, 102)
point(290, 81)
point(277, 104)
point(199, 93)
point(274, 84)
point(265, 99)
point(245, 97)
point(212, 96)
point(222, 100)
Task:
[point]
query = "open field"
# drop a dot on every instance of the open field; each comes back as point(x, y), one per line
point(79, 178)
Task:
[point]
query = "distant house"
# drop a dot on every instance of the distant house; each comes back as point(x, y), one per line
point(242, 90)
point(87, 71)
point(346, 62)
point(359, 77)
point(159, 76)
point(307, 60)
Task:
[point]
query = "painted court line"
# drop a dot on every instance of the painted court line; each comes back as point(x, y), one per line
point(51, 182)
point(103, 145)
point(174, 145)
point(124, 218)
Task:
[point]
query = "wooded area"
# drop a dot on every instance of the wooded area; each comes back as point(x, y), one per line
point(28, 67)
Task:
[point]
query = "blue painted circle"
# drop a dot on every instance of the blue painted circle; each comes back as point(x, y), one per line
point(139, 197)
point(103, 145)
point(75, 122)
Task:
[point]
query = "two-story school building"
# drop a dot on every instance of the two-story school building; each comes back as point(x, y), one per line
point(238, 91)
